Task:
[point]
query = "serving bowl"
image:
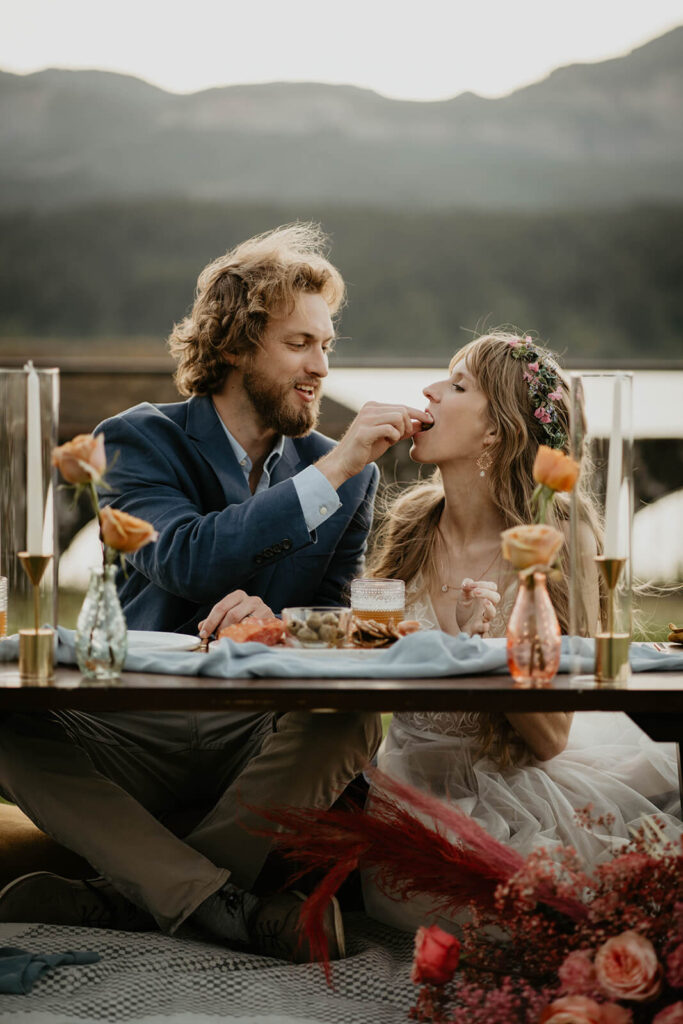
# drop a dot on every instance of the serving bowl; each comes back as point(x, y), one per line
point(313, 626)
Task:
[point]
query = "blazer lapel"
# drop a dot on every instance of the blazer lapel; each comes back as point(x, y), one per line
point(206, 430)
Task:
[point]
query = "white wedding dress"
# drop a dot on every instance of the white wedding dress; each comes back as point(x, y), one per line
point(608, 763)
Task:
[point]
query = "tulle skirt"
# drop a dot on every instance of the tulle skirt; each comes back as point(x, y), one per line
point(609, 764)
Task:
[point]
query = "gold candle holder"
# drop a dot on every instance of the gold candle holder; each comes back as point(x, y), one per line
point(611, 649)
point(36, 646)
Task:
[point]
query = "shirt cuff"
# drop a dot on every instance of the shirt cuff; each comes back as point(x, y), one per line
point(317, 497)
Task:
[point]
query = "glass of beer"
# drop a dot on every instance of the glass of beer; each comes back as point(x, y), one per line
point(379, 600)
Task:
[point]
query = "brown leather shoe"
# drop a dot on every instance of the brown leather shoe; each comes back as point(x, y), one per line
point(275, 930)
point(50, 899)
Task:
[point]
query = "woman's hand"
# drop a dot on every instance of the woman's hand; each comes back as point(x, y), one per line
point(233, 608)
point(476, 606)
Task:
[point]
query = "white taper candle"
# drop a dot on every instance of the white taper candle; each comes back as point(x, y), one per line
point(612, 548)
point(34, 465)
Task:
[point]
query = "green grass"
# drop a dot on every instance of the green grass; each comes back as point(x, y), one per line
point(69, 604)
point(652, 615)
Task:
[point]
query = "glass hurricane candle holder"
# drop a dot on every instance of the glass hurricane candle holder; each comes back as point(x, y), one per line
point(28, 430)
point(600, 592)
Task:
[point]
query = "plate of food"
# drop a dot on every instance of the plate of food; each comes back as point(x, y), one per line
point(144, 640)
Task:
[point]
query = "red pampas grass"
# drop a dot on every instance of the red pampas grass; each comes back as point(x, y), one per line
point(450, 858)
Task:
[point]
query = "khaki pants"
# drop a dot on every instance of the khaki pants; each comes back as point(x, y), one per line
point(99, 784)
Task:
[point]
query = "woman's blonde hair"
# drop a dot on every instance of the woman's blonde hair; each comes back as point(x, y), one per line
point(405, 541)
point(239, 292)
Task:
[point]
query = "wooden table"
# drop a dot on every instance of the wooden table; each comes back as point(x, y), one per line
point(657, 695)
point(654, 700)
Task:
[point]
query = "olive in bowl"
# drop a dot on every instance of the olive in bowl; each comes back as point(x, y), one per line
point(317, 627)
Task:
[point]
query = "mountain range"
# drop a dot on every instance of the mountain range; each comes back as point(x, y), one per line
point(598, 134)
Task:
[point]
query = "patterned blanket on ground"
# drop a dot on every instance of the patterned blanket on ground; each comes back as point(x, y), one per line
point(149, 978)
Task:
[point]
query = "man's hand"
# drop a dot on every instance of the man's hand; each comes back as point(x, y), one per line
point(233, 608)
point(477, 606)
point(376, 427)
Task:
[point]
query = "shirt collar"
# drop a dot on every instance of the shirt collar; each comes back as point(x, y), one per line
point(245, 462)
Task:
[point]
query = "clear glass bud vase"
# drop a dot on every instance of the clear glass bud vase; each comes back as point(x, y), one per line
point(533, 633)
point(101, 632)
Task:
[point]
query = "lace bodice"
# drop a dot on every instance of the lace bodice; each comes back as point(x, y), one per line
point(442, 723)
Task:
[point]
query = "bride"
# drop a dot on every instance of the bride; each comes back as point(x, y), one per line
point(521, 776)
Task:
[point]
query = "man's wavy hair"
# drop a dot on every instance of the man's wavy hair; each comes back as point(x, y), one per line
point(239, 292)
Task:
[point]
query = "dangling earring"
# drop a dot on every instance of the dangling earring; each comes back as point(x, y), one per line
point(484, 462)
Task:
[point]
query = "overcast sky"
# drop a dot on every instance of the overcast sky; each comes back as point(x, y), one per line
point(427, 49)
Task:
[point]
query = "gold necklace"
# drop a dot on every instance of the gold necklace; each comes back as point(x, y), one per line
point(445, 587)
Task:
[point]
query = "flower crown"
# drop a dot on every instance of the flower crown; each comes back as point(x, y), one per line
point(545, 388)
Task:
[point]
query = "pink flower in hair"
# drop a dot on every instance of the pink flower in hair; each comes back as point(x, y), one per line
point(514, 342)
point(555, 396)
point(528, 340)
point(534, 366)
point(543, 415)
point(528, 377)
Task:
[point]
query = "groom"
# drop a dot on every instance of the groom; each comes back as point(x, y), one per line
point(254, 511)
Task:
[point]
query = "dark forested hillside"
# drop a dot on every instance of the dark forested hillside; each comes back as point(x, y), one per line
point(592, 283)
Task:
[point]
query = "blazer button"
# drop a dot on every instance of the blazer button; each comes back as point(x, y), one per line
point(286, 544)
point(268, 552)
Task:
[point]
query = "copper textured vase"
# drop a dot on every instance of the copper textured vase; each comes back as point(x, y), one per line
point(533, 633)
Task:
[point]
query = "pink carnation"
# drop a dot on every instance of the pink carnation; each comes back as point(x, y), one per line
point(534, 367)
point(627, 968)
point(543, 415)
point(577, 974)
point(674, 967)
point(670, 1014)
point(555, 396)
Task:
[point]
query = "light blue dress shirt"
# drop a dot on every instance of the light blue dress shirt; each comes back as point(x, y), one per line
point(317, 496)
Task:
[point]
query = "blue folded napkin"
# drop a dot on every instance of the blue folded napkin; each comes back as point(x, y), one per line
point(428, 653)
point(20, 970)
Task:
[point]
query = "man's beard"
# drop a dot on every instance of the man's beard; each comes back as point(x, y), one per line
point(270, 402)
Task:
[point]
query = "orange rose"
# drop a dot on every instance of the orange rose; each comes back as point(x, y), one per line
point(81, 459)
point(554, 469)
point(436, 956)
point(123, 532)
point(582, 1010)
point(627, 968)
point(526, 546)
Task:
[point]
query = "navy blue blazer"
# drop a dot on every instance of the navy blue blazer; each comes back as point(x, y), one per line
point(173, 466)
